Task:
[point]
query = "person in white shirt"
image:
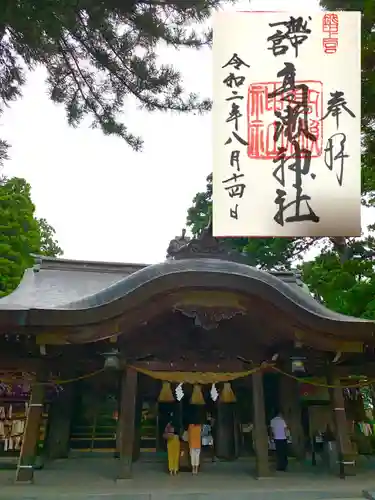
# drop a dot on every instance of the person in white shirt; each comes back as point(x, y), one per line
point(207, 438)
point(280, 432)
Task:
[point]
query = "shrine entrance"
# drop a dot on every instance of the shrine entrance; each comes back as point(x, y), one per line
point(197, 364)
point(202, 321)
point(94, 415)
point(226, 406)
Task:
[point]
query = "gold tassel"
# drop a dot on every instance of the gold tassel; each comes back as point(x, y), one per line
point(227, 394)
point(197, 396)
point(166, 394)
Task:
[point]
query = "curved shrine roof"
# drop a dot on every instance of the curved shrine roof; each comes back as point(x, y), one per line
point(77, 292)
point(53, 283)
point(68, 293)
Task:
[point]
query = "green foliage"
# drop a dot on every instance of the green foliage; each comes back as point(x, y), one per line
point(21, 233)
point(48, 245)
point(276, 253)
point(265, 253)
point(345, 285)
point(348, 287)
point(99, 53)
point(200, 212)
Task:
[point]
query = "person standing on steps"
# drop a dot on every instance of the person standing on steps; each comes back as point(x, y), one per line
point(171, 435)
point(207, 438)
point(280, 434)
point(194, 438)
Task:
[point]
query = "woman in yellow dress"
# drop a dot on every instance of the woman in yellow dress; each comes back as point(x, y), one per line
point(171, 434)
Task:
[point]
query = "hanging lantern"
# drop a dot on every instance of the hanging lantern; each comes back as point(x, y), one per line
point(197, 396)
point(298, 365)
point(166, 394)
point(298, 358)
point(227, 394)
point(111, 360)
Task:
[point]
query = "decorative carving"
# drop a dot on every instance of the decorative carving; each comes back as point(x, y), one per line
point(177, 244)
point(209, 318)
point(204, 246)
point(216, 299)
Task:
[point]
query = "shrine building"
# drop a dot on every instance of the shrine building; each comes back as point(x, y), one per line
point(95, 357)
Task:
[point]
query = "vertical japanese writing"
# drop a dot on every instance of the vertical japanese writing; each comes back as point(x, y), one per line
point(330, 28)
point(292, 34)
point(294, 133)
point(286, 124)
point(292, 124)
point(335, 152)
point(235, 184)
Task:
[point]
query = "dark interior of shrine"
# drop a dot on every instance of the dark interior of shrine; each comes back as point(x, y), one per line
point(174, 341)
point(173, 336)
point(96, 406)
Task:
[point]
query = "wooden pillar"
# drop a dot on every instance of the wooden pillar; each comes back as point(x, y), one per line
point(291, 409)
point(344, 446)
point(137, 427)
point(25, 467)
point(260, 434)
point(372, 393)
point(59, 421)
point(127, 422)
point(118, 429)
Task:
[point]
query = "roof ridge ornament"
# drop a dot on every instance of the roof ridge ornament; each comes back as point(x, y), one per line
point(205, 245)
point(37, 264)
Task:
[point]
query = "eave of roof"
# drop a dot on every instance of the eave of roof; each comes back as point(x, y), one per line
point(53, 283)
point(44, 262)
point(115, 297)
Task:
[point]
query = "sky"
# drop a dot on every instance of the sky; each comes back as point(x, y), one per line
point(105, 201)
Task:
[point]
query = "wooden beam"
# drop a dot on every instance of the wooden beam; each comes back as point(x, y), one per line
point(260, 434)
point(291, 406)
point(126, 422)
point(193, 366)
point(59, 421)
point(365, 370)
point(346, 460)
point(19, 364)
point(230, 365)
point(26, 460)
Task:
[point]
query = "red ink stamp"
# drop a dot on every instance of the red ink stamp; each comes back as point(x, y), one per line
point(330, 45)
point(330, 27)
point(262, 121)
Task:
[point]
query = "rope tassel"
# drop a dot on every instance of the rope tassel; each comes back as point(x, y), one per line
point(197, 396)
point(166, 394)
point(227, 394)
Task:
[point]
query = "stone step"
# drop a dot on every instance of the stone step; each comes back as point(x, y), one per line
point(237, 495)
